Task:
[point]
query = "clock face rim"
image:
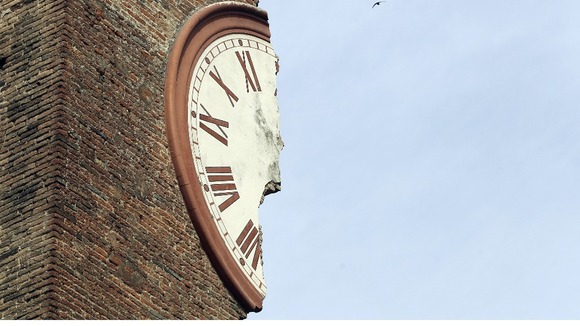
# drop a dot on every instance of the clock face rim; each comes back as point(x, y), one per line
point(202, 29)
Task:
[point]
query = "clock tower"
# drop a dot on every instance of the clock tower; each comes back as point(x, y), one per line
point(137, 140)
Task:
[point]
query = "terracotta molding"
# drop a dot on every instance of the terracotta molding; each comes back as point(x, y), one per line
point(202, 28)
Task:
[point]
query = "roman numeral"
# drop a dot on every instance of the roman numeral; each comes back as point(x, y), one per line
point(231, 96)
point(249, 242)
point(245, 59)
point(217, 126)
point(221, 180)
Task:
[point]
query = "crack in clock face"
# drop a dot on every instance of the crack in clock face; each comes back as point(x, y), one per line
point(235, 140)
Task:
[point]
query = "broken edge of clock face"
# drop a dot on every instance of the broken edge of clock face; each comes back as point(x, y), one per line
point(196, 132)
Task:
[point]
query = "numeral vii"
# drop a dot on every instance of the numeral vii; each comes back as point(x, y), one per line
point(221, 182)
point(245, 59)
point(249, 242)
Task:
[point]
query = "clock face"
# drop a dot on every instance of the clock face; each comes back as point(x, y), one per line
point(221, 115)
point(235, 142)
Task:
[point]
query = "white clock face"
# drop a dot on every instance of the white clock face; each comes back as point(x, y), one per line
point(235, 141)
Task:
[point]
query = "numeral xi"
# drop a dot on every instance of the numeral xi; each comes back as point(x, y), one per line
point(218, 79)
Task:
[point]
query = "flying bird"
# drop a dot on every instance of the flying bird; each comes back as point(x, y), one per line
point(378, 3)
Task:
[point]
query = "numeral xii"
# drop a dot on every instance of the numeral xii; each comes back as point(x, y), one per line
point(245, 60)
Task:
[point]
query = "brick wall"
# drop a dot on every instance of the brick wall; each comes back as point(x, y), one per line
point(92, 222)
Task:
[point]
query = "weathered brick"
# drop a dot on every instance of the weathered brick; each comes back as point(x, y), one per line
point(92, 223)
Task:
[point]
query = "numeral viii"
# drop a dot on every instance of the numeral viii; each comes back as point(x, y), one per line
point(222, 184)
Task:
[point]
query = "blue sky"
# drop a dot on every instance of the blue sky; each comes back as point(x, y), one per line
point(432, 161)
